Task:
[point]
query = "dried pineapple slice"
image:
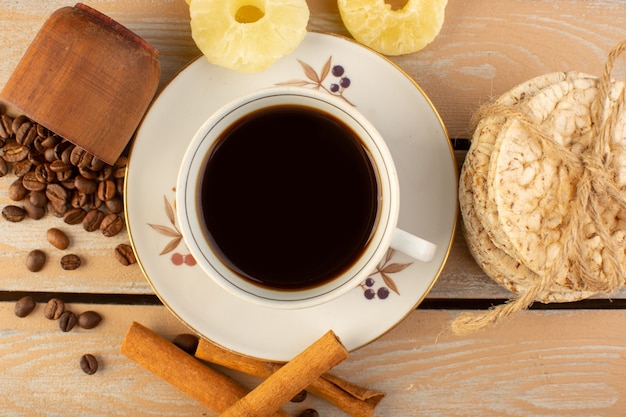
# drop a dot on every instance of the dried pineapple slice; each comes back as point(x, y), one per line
point(247, 35)
point(393, 32)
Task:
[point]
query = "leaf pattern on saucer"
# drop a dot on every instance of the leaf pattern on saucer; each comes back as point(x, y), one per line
point(385, 269)
point(337, 85)
point(174, 235)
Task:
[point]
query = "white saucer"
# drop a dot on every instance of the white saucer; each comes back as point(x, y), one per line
point(428, 181)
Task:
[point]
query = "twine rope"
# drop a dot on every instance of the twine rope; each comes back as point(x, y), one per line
point(596, 169)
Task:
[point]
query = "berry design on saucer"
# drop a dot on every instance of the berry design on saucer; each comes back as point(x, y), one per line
point(175, 237)
point(374, 289)
point(336, 86)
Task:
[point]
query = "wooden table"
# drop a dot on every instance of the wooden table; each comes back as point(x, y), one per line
point(553, 360)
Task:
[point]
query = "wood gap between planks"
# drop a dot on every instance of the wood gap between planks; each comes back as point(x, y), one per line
point(427, 304)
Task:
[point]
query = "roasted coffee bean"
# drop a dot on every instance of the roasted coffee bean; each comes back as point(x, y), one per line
point(18, 121)
point(89, 319)
point(88, 173)
point(35, 157)
point(42, 132)
point(97, 164)
point(92, 220)
point(63, 176)
point(85, 185)
point(89, 364)
point(49, 155)
point(69, 184)
point(17, 192)
point(119, 169)
point(115, 205)
point(60, 147)
point(106, 173)
point(119, 185)
point(45, 174)
point(13, 213)
point(14, 152)
point(107, 190)
point(38, 147)
point(38, 198)
point(57, 195)
point(75, 216)
point(32, 211)
point(310, 412)
point(58, 238)
point(35, 260)
point(22, 167)
point(50, 141)
point(26, 134)
point(67, 153)
point(4, 167)
point(299, 397)
point(6, 129)
point(94, 203)
point(124, 254)
point(24, 306)
point(53, 309)
point(67, 321)
point(187, 342)
point(80, 157)
point(70, 262)
point(32, 183)
point(57, 210)
point(80, 200)
point(111, 225)
point(59, 166)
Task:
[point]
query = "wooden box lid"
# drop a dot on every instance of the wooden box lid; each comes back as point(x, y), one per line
point(87, 78)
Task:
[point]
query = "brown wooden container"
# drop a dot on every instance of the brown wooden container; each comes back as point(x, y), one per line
point(87, 78)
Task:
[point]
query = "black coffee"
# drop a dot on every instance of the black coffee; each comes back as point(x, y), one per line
point(289, 197)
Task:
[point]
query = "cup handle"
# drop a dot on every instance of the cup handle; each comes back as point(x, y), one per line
point(413, 246)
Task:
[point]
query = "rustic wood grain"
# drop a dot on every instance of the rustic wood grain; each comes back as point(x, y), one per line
point(484, 48)
point(536, 364)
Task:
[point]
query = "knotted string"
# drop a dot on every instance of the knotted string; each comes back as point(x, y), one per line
point(596, 188)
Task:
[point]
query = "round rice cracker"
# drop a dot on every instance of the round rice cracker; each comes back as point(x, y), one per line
point(609, 212)
point(533, 193)
point(542, 100)
point(530, 187)
point(498, 265)
point(472, 189)
point(475, 167)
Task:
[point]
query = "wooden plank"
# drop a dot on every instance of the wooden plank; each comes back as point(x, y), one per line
point(483, 50)
point(536, 363)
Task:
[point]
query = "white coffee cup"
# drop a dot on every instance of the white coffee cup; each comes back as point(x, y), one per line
point(382, 235)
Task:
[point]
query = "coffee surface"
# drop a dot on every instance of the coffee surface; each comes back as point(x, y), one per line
point(289, 197)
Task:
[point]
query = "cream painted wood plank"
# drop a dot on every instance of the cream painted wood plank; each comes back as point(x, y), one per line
point(538, 363)
point(41, 374)
point(534, 364)
point(487, 47)
point(483, 50)
point(99, 272)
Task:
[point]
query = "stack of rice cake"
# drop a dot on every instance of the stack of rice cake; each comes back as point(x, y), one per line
point(517, 194)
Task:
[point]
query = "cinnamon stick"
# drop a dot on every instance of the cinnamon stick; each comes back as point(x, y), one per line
point(352, 399)
point(213, 389)
point(290, 379)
